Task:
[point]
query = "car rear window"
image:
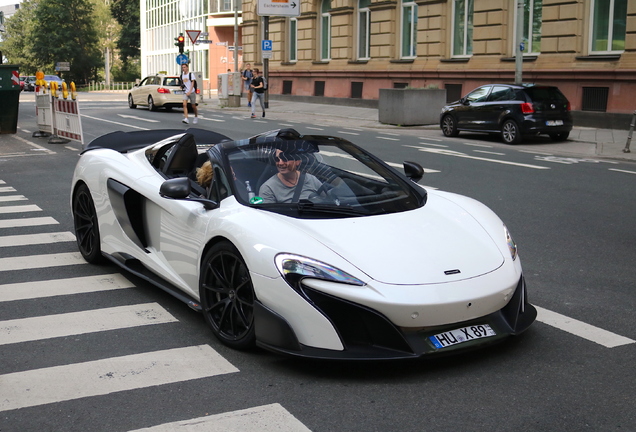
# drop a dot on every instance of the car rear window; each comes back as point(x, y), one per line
point(541, 94)
point(171, 81)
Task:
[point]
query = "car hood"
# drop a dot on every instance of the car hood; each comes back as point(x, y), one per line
point(440, 242)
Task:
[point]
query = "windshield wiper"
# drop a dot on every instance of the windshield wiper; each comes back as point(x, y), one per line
point(310, 206)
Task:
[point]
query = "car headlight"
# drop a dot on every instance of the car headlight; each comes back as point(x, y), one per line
point(512, 246)
point(294, 268)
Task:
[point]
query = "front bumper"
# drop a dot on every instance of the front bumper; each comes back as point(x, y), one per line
point(367, 334)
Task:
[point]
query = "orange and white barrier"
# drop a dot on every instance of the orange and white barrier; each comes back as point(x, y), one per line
point(58, 118)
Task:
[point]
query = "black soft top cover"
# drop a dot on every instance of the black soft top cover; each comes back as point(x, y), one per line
point(127, 141)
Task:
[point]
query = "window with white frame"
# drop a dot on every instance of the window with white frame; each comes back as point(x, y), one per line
point(608, 22)
point(325, 30)
point(462, 36)
point(532, 13)
point(364, 29)
point(409, 30)
point(293, 39)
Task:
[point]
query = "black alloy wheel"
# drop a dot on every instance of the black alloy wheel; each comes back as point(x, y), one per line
point(510, 132)
point(86, 226)
point(449, 127)
point(131, 103)
point(227, 296)
point(151, 104)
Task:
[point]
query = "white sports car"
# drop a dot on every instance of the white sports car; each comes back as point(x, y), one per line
point(305, 245)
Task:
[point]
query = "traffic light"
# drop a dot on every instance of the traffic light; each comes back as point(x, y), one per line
point(180, 41)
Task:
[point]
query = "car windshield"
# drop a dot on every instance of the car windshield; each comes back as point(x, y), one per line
point(547, 94)
point(317, 177)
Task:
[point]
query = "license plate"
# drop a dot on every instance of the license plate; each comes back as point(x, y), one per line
point(554, 123)
point(178, 92)
point(453, 337)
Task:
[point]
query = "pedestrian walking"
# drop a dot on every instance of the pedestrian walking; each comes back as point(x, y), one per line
point(189, 93)
point(258, 87)
point(247, 75)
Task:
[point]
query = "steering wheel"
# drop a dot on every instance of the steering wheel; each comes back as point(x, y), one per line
point(326, 189)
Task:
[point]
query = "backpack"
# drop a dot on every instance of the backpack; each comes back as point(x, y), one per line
point(183, 86)
point(264, 84)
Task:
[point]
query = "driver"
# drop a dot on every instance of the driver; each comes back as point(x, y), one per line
point(289, 184)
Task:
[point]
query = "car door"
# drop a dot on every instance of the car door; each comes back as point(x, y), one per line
point(497, 105)
point(470, 115)
point(138, 92)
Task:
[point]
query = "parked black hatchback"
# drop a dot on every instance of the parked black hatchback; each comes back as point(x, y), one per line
point(510, 110)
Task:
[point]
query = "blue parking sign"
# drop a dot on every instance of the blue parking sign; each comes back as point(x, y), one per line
point(266, 45)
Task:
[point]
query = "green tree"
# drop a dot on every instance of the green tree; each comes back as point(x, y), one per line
point(126, 12)
point(17, 46)
point(65, 32)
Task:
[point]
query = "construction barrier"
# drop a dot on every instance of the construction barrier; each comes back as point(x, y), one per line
point(58, 118)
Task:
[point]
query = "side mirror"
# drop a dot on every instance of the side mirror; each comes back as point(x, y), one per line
point(179, 189)
point(464, 101)
point(413, 170)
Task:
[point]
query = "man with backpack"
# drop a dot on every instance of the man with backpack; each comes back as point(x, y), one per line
point(259, 85)
point(189, 85)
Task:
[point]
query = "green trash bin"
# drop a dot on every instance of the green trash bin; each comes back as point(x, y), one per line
point(9, 98)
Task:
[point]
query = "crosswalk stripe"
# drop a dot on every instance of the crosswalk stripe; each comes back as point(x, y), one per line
point(41, 261)
point(17, 223)
point(33, 239)
point(7, 189)
point(59, 287)
point(76, 323)
point(265, 418)
point(13, 198)
point(19, 209)
point(101, 377)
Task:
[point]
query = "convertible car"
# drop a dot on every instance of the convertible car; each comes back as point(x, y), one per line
point(366, 265)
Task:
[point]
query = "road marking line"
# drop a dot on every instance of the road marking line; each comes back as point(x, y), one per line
point(353, 129)
point(390, 133)
point(60, 287)
point(40, 261)
point(286, 124)
point(13, 198)
point(32, 239)
point(212, 119)
point(138, 118)
point(581, 329)
point(489, 152)
point(37, 146)
point(477, 145)
point(348, 133)
point(77, 323)
point(463, 155)
point(16, 223)
point(535, 152)
point(114, 122)
point(101, 377)
point(7, 189)
point(431, 139)
point(19, 209)
point(388, 139)
point(265, 418)
point(623, 171)
point(3, 182)
point(313, 128)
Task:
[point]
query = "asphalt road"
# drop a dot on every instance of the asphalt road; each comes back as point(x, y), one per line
point(572, 371)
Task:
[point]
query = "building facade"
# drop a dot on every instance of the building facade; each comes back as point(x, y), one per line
point(353, 48)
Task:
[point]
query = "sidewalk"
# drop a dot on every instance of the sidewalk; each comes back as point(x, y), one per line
point(583, 142)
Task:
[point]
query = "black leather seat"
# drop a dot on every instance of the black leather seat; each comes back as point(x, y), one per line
point(182, 157)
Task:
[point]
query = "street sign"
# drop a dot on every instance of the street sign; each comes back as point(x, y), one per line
point(231, 48)
point(279, 8)
point(62, 66)
point(204, 41)
point(266, 45)
point(193, 35)
point(267, 54)
point(182, 59)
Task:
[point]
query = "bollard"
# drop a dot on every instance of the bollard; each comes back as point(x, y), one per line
point(629, 135)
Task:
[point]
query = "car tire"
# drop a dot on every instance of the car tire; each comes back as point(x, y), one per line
point(151, 104)
point(510, 132)
point(449, 126)
point(131, 103)
point(86, 225)
point(560, 136)
point(227, 296)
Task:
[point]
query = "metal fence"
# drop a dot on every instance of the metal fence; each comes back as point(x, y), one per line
point(115, 86)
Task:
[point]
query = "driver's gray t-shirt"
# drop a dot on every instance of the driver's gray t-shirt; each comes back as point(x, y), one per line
point(274, 191)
